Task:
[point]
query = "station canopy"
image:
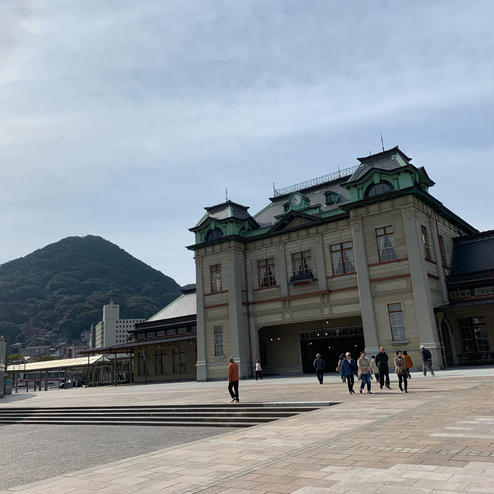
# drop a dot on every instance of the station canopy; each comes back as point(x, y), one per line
point(66, 363)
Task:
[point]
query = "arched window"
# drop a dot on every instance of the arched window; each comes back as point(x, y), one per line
point(378, 189)
point(213, 235)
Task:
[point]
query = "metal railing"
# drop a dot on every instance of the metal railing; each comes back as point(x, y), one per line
point(315, 181)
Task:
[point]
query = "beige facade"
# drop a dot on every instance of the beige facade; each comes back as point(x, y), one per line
point(384, 299)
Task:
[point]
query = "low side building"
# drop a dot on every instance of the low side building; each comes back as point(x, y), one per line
point(162, 348)
point(466, 322)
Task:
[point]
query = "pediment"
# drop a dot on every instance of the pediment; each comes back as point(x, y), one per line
point(295, 221)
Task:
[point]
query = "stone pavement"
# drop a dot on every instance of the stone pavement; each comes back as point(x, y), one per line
point(438, 438)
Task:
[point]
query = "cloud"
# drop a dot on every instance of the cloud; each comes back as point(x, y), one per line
point(121, 115)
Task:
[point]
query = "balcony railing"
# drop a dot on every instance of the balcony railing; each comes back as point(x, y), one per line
point(301, 276)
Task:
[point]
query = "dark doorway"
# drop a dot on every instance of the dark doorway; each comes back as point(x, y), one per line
point(330, 344)
point(448, 354)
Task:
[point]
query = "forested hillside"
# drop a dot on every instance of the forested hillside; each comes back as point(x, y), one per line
point(63, 287)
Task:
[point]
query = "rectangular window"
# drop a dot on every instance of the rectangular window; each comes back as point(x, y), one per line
point(385, 243)
point(425, 241)
point(342, 258)
point(302, 265)
point(396, 321)
point(484, 290)
point(265, 273)
point(141, 363)
point(215, 274)
point(218, 341)
point(159, 362)
point(443, 252)
point(473, 335)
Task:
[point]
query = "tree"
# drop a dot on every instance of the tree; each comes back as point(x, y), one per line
point(15, 358)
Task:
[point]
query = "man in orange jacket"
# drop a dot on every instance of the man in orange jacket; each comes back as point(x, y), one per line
point(233, 379)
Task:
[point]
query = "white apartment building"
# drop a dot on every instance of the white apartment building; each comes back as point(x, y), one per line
point(111, 330)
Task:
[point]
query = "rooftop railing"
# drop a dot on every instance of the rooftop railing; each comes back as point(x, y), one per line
point(315, 181)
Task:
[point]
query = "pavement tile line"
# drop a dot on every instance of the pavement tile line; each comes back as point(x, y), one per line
point(256, 471)
point(306, 448)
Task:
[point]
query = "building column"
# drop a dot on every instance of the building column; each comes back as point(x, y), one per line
point(428, 332)
point(238, 346)
point(320, 265)
point(201, 364)
point(364, 289)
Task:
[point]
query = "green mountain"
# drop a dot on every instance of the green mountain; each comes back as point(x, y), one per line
point(63, 287)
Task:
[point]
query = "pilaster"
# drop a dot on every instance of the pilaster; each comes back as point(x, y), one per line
point(420, 285)
point(282, 274)
point(320, 264)
point(237, 343)
point(364, 288)
point(201, 364)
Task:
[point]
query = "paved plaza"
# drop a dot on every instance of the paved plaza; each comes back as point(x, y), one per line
point(438, 438)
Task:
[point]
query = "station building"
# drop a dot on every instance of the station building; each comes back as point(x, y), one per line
point(350, 261)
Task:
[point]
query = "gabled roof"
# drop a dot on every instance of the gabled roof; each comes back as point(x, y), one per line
point(183, 306)
point(307, 220)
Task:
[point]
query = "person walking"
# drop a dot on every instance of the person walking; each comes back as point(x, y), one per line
point(382, 365)
point(408, 362)
point(319, 366)
point(426, 360)
point(338, 367)
point(258, 370)
point(233, 379)
point(401, 371)
point(373, 367)
point(349, 370)
point(364, 372)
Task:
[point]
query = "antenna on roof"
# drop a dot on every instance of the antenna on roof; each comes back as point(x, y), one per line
point(226, 194)
point(382, 142)
point(274, 190)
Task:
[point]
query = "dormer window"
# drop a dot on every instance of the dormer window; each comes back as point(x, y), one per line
point(214, 234)
point(331, 197)
point(378, 189)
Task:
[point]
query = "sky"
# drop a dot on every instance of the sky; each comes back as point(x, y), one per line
point(126, 118)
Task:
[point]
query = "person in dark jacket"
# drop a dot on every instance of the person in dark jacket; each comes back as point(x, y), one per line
point(349, 370)
point(319, 365)
point(427, 360)
point(382, 365)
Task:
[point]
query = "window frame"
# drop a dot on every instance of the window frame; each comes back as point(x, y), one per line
point(159, 356)
point(341, 252)
point(269, 278)
point(383, 235)
point(215, 278)
point(304, 257)
point(442, 250)
point(402, 334)
point(218, 341)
